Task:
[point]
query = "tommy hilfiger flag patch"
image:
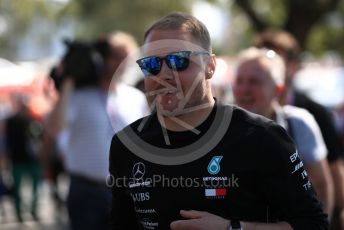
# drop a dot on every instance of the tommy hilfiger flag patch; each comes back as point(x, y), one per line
point(216, 192)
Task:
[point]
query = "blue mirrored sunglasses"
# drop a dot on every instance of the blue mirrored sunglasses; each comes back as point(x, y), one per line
point(177, 61)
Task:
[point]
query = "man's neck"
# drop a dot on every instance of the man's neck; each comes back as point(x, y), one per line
point(188, 120)
point(287, 95)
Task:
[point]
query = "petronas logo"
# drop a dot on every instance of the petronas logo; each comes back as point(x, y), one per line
point(214, 165)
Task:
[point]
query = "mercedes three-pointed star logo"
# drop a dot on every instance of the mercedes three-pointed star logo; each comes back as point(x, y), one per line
point(138, 170)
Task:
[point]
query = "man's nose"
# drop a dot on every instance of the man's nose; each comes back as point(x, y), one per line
point(241, 88)
point(166, 73)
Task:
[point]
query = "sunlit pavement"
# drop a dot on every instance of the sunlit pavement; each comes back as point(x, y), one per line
point(50, 216)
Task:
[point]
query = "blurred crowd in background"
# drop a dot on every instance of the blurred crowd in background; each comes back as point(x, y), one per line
point(29, 94)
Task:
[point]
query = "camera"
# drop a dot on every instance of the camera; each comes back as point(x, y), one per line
point(82, 61)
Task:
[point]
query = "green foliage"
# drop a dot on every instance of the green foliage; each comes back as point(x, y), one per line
point(19, 16)
point(104, 16)
point(270, 11)
point(322, 33)
point(95, 17)
point(325, 38)
point(328, 34)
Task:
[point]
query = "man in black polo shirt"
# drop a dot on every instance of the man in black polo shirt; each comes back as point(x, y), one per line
point(193, 153)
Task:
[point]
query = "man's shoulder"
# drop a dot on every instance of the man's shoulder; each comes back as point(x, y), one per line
point(247, 118)
point(265, 134)
point(261, 125)
point(141, 125)
point(135, 133)
point(301, 120)
point(297, 113)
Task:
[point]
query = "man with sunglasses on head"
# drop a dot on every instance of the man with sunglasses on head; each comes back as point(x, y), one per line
point(195, 163)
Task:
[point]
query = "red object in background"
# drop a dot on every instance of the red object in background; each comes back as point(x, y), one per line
point(26, 80)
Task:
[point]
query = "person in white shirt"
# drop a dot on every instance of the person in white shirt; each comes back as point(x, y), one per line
point(258, 84)
point(91, 115)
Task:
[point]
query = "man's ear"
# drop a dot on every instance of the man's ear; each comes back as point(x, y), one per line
point(279, 90)
point(211, 66)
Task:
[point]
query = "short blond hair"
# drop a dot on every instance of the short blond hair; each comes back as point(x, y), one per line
point(178, 20)
point(122, 39)
point(276, 66)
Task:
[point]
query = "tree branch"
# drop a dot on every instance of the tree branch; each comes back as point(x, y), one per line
point(310, 12)
point(330, 5)
point(258, 23)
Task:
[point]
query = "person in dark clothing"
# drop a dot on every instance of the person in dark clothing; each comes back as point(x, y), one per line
point(286, 45)
point(22, 134)
point(195, 163)
point(326, 123)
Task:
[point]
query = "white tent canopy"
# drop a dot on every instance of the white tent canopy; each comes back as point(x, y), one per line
point(12, 74)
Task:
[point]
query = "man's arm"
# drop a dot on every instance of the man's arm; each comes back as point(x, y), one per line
point(284, 183)
point(57, 118)
point(312, 149)
point(337, 171)
point(206, 221)
point(320, 176)
point(123, 215)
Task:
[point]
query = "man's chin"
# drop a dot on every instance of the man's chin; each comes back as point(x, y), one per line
point(169, 111)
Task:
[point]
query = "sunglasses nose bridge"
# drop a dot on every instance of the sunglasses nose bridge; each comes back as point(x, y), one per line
point(165, 70)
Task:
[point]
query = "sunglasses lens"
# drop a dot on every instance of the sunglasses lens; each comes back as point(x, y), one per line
point(178, 61)
point(150, 65)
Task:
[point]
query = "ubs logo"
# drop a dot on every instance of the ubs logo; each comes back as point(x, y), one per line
point(139, 170)
point(140, 197)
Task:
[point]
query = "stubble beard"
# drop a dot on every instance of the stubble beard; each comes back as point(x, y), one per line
point(183, 104)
